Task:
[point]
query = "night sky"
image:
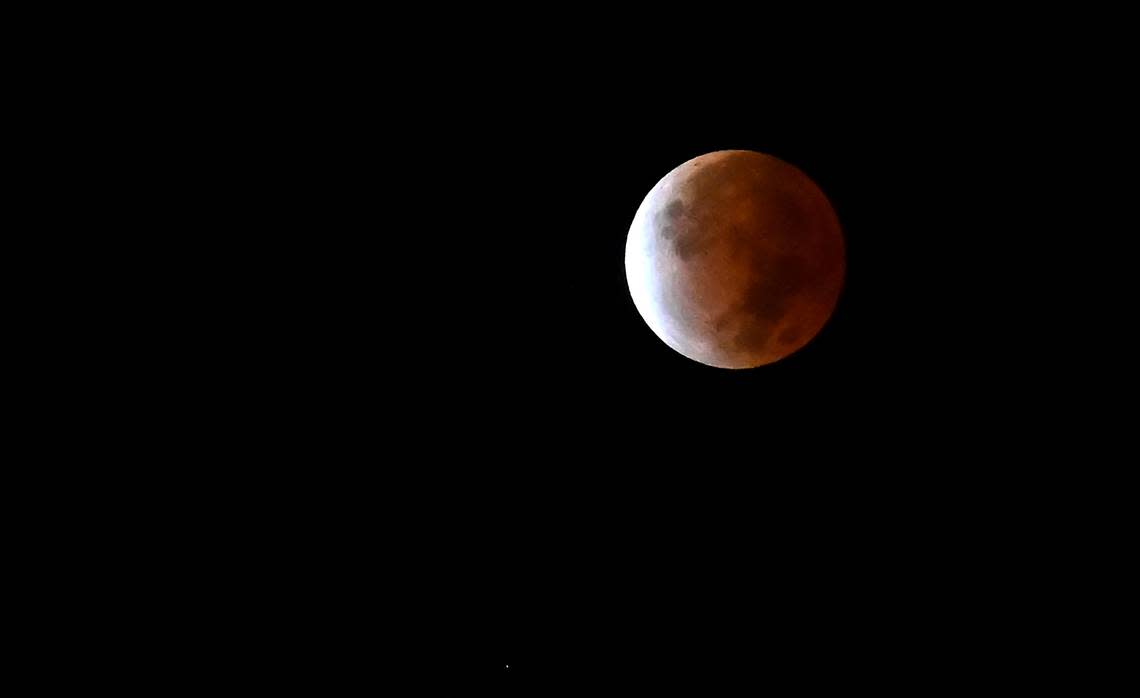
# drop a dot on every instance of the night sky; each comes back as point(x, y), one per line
point(342, 386)
point(481, 437)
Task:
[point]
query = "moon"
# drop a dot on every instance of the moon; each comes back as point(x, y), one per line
point(735, 259)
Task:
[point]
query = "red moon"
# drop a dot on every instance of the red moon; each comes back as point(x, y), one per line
point(735, 259)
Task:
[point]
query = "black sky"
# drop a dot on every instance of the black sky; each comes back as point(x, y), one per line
point(487, 439)
point(342, 384)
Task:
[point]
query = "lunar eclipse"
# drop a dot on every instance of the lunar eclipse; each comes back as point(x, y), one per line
point(735, 259)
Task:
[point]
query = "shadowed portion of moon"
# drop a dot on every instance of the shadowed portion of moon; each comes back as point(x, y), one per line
point(735, 259)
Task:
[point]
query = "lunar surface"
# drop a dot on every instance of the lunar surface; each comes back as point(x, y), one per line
point(735, 259)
